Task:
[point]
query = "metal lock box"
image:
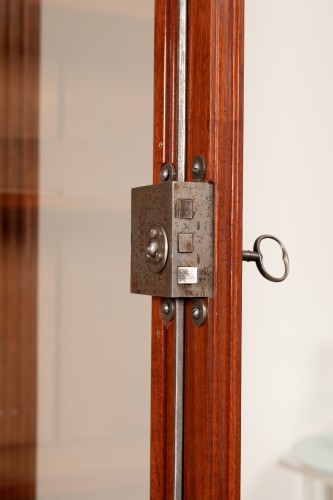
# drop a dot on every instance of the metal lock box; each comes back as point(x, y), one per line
point(172, 240)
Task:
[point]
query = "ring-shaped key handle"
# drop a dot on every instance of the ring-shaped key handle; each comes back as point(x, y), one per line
point(257, 256)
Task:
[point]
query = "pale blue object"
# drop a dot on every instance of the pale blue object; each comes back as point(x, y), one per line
point(315, 452)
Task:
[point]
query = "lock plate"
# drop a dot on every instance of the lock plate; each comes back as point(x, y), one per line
point(182, 265)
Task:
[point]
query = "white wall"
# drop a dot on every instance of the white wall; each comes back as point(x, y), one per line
point(288, 177)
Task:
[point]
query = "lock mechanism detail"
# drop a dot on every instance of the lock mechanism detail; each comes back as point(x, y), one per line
point(157, 249)
point(173, 240)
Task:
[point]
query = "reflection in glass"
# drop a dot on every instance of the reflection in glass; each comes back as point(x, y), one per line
point(94, 339)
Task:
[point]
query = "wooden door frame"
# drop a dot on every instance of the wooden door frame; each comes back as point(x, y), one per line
point(212, 384)
point(212, 352)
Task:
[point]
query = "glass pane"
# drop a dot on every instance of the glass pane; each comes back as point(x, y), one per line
point(287, 328)
point(96, 84)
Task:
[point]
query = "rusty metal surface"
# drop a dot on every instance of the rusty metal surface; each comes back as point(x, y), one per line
point(182, 208)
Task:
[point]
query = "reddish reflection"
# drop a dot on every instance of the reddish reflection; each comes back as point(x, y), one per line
point(19, 52)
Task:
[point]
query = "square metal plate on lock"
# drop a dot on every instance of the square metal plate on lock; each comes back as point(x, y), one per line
point(172, 240)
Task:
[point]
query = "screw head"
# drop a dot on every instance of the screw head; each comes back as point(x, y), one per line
point(195, 313)
point(199, 312)
point(157, 249)
point(152, 249)
point(198, 168)
point(159, 256)
point(165, 174)
point(153, 234)
point(167, 309)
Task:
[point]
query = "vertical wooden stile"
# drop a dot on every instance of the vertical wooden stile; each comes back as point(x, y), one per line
point(212, 352)
point(164, 150)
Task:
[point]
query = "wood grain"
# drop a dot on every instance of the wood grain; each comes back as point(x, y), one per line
point(164, 147)
point(19, 69)
point(213, 352)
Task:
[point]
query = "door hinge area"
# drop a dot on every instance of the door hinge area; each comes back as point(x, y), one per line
point(172, 240)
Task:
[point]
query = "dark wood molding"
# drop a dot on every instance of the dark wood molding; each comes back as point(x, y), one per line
point(164, 147)
point(213, 352)
point(19, 108)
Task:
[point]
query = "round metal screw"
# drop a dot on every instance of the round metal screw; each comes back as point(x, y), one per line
point(152, 249)
point(157, 249)
point(167, 309)
point(199, 312)
point(198, 168)
point(165, 174)
point(196, 313)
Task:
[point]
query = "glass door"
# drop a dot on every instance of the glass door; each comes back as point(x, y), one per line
point(77, 115)
point(96, 76)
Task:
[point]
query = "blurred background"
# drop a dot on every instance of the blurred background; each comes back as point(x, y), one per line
point(287, 329)
point(96, 129)
point(92, 349)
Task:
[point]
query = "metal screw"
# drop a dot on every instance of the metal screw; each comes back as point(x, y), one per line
point(168, 172)
point(165, 174)
point(157, 249)
point(198, 168)
point(195, 169)
point(167, 309)
point(196, 313)
point(199, 312)
point(160, 144)
point(152, 250)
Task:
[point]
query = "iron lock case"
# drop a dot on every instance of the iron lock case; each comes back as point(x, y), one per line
point(185, 213)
